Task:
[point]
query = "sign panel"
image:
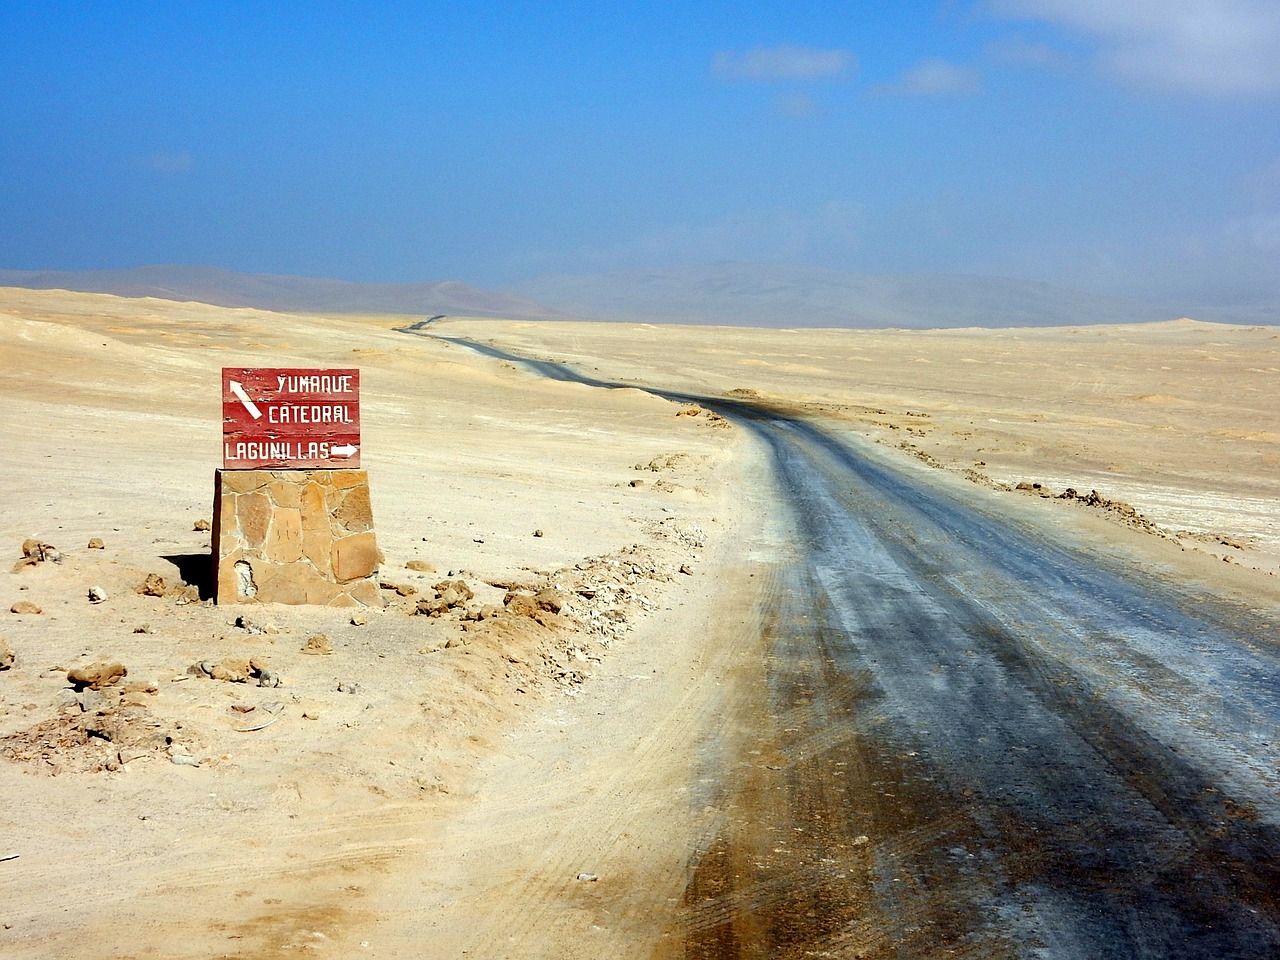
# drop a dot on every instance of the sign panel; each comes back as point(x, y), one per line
point(287, 418)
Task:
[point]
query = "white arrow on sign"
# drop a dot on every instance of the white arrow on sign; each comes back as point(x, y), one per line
point(244, 398)
point(345, 450)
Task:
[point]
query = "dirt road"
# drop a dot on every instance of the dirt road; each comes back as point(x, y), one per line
point(981, 740)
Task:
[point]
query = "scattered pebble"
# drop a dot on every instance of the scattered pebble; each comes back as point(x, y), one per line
point(588, 877)
point(97, 594)
point(201, 525)
point(95, 543)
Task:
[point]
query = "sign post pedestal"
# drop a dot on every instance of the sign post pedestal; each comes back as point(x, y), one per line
point(292, 521)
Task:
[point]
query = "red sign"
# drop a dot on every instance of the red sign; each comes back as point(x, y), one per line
point(290, 418)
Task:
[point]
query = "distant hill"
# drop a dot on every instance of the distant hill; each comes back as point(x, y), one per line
point(226, 288)
point(750, 294)
point(732, 294)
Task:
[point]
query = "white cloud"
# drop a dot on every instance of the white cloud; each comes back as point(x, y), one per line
point(787, 62)
point(1212, 47)
point(932, 78)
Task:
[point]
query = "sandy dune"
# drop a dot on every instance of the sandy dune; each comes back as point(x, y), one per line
point(466, 794)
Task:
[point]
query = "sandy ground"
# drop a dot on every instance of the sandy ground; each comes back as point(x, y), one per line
point(521, 787)
point(1180, 420)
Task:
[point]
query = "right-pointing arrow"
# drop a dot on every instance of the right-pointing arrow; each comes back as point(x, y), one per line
point(345, 450)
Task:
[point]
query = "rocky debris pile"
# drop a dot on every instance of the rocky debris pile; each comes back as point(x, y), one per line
point(36, 552)
point(1122, 511)
point(667, 461)
point(93, 730)
point(445, 596)
point(236, 670)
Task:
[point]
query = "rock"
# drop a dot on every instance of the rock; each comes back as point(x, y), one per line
point(549, 599)
point(202, 525)
point(520, 604)
point(95, 543)
point(152, 586)
point(7, 656)
point(33, 549)
point(25, 606)
point(449, 595)
point(346, 686)
point(402, 589)
point(96, 702)
point(97, 594)
point(420, 565)
point(232, 671)
point(686, 569)
point(96, 675)
point(537, 533)
point(317, 645)
point(454, 592)
point(359, 620)
point(183, 760)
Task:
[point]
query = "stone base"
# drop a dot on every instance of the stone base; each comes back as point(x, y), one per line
point(294, 536)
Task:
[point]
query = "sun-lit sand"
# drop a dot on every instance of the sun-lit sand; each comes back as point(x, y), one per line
point(478, 770)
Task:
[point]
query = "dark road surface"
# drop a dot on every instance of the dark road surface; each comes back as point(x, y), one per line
point(982, 743)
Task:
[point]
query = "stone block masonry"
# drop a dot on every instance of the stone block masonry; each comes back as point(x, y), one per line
point(295, 536)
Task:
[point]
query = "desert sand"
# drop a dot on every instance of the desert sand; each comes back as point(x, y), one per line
point(526, 786)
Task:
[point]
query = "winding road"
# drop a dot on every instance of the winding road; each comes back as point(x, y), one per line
point(982, 742)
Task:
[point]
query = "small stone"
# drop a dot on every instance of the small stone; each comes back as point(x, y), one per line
point(537, 533)
point(420, 565)
point(142, 628)
point(95, 543)
point(317, 645)
point(97, 594)
point(25, 606)
point(202, 525)
point(310, 715)
point(96, 675)
point(183, 760)
point(686, 569)
point(7, 656)
point(346, 686)
point(359, 620)
point(588, 877)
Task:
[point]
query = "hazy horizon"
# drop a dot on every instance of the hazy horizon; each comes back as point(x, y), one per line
point(1125, 149)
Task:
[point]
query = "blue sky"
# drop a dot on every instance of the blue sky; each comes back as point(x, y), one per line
point(1123, 146)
